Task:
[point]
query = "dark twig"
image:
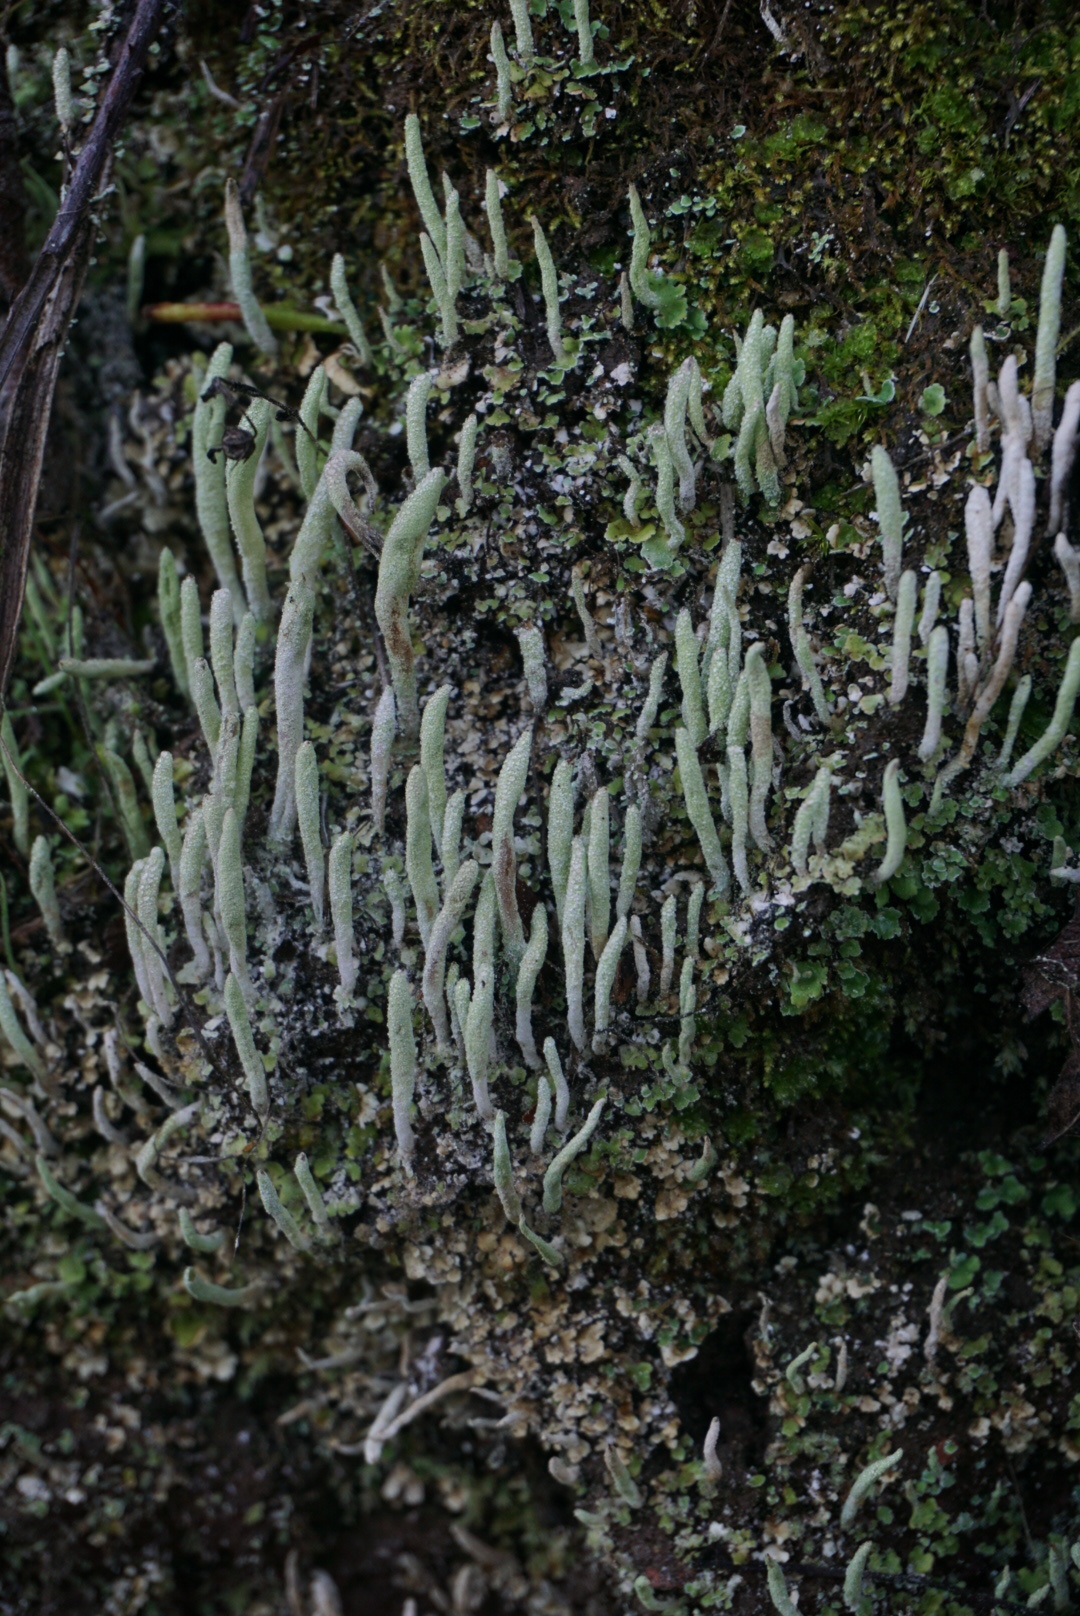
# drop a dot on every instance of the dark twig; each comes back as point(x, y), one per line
point(714, 43)
point(13, 258)
point(33, 339)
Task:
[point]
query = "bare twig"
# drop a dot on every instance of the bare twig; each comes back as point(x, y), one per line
point(34, 336)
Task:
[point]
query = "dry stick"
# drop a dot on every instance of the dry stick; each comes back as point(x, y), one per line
point(34, 335)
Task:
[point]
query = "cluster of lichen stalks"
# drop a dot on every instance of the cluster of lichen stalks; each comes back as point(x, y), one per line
point(442, 1024)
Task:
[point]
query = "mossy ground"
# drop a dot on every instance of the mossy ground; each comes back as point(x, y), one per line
point(870, 1064)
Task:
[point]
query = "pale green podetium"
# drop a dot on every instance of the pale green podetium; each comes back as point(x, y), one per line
point(211, 507)
point(465, 461)
point(665, 485)
point(864, 1481)
point(456, 266)
point(504, 93)
point(450, 846)
point(699, 812)
point(759, 691)
point(449, 918)
point(63, 100)
point(307, 807)
point(432, 756)
point(221, 653)
point(606, 969)
point(675, 411)
point(240, 498)
point(191, 1236)
point(523, 34)
point(399, 570)
point(549, 285)
point(531, 962)
point(68, 1203)
point(689, 668)
point(559, 1084)
point(191, 624)
point(341, 911)
point(669, 916)
point(193, 855)
point(440, 290)
point(573, 941)
point(307, 433)
point(1046, 340)
point(430, 211)
point(402, 1063)
point(903, 624)
point(206, 706)
point(625, 1485)
point(17, 790)
point(339, 286)
point(288, 694)
point(553, 1178)
point(255, 322)
point(1054, 734)
point(631, 863)
point(383, 730)
point(280, 1214)
point(598, 855)
point(639, 255)
point(560, 832)
point(19, 1043)
point(531, 641)
point(314, 1198)
point(500, 247)
point(895, 824)
point(229, 897)
point(503, 1171)
point(250, 1059)
point(811, 819)
point(43, 888)
point(890, 514)
point(1017, 706)
point(508, 793)
point(418, 863)
point(127, 801)
point(169, 613)
point(586, 53)
point(203, 1290)
point(739, 804)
